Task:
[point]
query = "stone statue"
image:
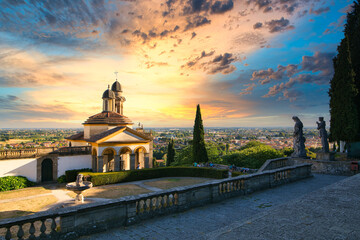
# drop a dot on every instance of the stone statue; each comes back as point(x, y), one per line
point(323, 135)
point(79, 180)
point(299, 140)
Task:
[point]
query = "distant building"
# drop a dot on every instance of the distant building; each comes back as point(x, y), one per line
point(108, 143)
point(115, 145)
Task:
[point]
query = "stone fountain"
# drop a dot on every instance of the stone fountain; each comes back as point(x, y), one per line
point(78, 187)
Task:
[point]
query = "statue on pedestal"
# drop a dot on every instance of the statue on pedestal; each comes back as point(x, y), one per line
point(299, 139)
point(323, 135)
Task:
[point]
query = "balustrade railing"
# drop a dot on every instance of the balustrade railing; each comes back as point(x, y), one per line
point(85, 219)
point(38, 152)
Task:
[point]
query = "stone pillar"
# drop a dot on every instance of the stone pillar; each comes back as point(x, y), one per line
point(132, 161)
point(117, 163)
point(100, 165)
point(146, 160)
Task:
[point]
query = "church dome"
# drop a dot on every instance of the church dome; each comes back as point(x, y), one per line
point(116, 87)
point(108, 94)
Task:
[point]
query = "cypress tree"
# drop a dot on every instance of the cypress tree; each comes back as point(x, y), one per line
point(199, 150)
point(344, 121)
point(170, 153)
point(352, 31)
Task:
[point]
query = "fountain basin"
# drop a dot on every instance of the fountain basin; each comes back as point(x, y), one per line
point(78, 187)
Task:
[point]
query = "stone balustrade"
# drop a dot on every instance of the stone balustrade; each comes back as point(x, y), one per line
point(72, 222)
point(275, 163)
point(38, 152)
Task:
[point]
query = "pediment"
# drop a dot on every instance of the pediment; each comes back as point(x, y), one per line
point(125, 136)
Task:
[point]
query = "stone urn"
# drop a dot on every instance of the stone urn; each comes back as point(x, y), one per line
point(78, 187)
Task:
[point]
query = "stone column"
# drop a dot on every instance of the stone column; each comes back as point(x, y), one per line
point(146, 160)
point(100, 164)
point(132, 161)
point(117, 163)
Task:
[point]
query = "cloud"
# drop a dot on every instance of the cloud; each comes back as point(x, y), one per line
point(214, 7)
point(193, 62)
point(257, 25)
point(319, 62)
point(267, 75)
point(222, 64)
point(248, 90)
point(291, 95)
point(319, 10)
point(320, 66)
point(196, 21)
point(279, 25)
point(221, 7)
point(193, 34)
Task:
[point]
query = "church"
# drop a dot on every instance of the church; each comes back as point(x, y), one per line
point(115, 144)
point(108, 143)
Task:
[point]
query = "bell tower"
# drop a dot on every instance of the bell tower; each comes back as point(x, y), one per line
point(119, 99)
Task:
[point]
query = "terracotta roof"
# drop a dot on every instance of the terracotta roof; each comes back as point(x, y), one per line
point(102, 135)
point(108, 118)
point(78, 136)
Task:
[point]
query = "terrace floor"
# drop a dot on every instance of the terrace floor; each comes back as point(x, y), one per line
point(322, 207)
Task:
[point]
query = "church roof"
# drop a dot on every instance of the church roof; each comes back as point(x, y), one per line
point(116, 87)
point(105, 135)
point(108, 94)
point(112, 118)
point(78, 136)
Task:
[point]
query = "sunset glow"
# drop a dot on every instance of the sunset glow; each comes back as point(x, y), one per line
point(247, 63)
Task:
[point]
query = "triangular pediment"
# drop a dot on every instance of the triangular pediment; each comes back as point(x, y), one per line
point(125, 136)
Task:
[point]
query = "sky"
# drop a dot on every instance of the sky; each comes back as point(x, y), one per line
point(248, 63)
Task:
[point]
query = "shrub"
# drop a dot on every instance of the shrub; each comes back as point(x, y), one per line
point(61, 179)
point(14, 182)
point(141, 174)
point(71, 174)
point(252, 157)
point(252, 144)
point(287, 151)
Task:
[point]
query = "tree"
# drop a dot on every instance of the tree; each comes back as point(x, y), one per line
point(352, 31)
point(344, 121)
point(199, 150)
point(170, 153)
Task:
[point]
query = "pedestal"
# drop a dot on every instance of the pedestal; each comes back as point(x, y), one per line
point(330, 156)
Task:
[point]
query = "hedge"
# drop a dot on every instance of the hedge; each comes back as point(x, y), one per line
point(142, 174)
point(14, 182)
point(71, 174)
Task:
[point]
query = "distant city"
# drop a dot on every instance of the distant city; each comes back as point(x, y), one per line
point(230, 138)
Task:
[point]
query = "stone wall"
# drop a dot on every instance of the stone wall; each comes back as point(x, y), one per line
point(96, 217)
point(327, 167)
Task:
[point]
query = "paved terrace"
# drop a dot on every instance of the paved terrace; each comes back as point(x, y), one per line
point(322, 207)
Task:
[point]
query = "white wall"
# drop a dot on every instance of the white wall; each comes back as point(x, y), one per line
point(73, 162)
point(19, 167)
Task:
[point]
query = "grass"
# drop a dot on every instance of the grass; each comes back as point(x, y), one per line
point(25, 192)
point(176, 182)
point(25, 207)
point(112, 192)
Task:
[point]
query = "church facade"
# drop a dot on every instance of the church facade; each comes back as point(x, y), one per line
point(115, 144)
point(108, 143)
